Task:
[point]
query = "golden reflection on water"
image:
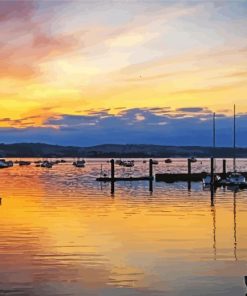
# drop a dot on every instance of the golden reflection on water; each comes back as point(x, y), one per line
point(64, 234)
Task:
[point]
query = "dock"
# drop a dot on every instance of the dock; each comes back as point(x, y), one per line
point(195, 177)
point(189, 176)
point(112, 179)
point(141, 178)
point(173, 177)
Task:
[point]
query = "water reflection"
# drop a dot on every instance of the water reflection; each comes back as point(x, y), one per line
point(235, 224)
point(62, 233)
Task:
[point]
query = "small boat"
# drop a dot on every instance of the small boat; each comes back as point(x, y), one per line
point(128, 163)
point(10, 163)
point(207, 180)
point(125, 163)
point(23, 162)
point(236, 179)
point(3, 164)
point(46, 164)
point(168, 160)
point(193, 159)
point(79, 163)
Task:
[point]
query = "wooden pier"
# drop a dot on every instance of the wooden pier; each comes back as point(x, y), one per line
point(194, 177)
point(112, 179)
point(141, 178)
point(170, 178)
point(175, 177)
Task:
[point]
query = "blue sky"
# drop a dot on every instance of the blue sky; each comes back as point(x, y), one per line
point(92, 72)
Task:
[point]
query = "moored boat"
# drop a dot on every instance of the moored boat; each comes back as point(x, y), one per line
point(207, 181)
point(193, 159)
point(168, 160)
point(3, 164)
point(236, 179)
point(125, 163)
point(24, 162)
point(46, 164)
point(128, 163)
point(79, 163)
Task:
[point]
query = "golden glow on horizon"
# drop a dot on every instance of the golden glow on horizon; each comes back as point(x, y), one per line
point(148, 62)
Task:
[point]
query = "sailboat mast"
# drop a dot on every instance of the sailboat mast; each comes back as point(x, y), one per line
point(214, 132)
point(234, 140)
point(214, 140)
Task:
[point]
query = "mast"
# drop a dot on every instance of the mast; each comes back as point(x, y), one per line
point(214, 132)
point(234, 140)
point(214, 143)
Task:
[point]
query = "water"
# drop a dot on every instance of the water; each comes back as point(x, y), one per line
point(63, 233)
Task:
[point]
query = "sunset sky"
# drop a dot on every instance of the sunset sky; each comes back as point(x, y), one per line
point(93, 72)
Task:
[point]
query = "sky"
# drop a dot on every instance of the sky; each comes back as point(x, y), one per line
point(152, 72)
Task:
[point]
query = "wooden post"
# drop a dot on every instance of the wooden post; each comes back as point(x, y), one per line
point(189, 167)
point(151, 168)
point(151, 175)
point(189, 173)
point(112, 170)
point(224, 168)
point(112, 176)
point(212, 180)
point(212, 171)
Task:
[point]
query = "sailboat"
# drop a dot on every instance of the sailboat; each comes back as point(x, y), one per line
point(235, 178)
point(207, 181)
point(79, 163)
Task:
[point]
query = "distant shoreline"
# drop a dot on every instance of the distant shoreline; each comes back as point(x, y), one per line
point(116, 151)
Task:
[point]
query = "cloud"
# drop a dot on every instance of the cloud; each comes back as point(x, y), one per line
point(25, 41)
point(185, 126)
point(191, 109)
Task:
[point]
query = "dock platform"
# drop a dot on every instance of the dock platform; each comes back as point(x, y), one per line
point(195, 177)
point(170, 178)
point(108, 179)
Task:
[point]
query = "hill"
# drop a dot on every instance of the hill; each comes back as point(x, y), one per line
point(114, 150)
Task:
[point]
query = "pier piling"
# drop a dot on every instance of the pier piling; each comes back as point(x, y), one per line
point(150, 168)
point(112, 169)
point(151, 175)
point(189, 174)
point(212, 170)
point(212, 179)
point(112, 176)
point(224, 169)
point(189, 166)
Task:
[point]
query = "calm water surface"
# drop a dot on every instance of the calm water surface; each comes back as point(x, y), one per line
point(63, 233)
